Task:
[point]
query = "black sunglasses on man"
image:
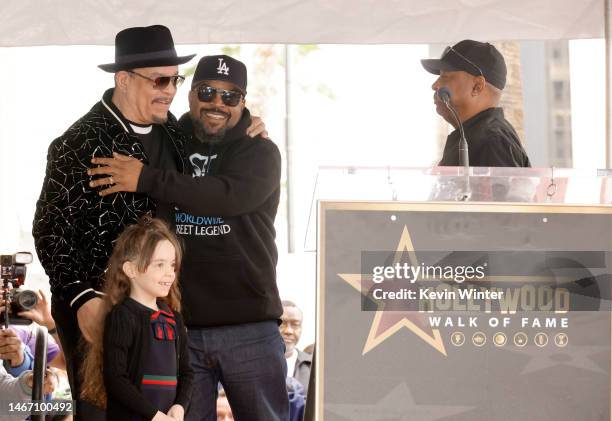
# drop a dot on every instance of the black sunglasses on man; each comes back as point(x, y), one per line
point(161, 82)
point(230, 98)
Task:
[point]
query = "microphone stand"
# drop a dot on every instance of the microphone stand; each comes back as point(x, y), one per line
point(464, 157)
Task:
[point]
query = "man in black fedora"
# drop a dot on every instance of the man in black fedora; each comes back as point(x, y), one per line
point(474, 74)
point(74, 227)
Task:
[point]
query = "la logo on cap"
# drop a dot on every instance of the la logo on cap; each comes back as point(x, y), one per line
point(222, 69)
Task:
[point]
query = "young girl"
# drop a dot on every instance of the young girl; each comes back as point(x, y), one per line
point(138, 365)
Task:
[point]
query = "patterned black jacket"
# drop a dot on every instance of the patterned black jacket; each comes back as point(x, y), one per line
point(74, 228)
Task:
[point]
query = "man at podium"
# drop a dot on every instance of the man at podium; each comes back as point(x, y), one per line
point(472, 76)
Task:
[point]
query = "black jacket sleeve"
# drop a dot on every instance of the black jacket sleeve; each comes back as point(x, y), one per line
point(249, 177)
point(185, 372)
point(499, 151)
point(58, 210)
point(119, 333)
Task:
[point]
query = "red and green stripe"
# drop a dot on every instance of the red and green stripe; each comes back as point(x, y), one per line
point(159, 380)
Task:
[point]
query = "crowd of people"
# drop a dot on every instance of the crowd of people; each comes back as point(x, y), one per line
point(134, 199)
point(17, 352)
point(299, 363)
point(18, 343)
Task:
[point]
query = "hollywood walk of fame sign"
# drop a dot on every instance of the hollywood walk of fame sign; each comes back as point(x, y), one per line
point(463, 360)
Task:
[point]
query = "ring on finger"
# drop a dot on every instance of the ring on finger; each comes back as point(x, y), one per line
point(110, 180)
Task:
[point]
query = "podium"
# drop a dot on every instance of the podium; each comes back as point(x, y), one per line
point(445, 295)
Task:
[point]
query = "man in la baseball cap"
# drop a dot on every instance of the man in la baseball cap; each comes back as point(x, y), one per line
point(212, 115)
point(474, 74)
point(230, 297)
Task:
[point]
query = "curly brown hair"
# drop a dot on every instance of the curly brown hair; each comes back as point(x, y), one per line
point(137, 245)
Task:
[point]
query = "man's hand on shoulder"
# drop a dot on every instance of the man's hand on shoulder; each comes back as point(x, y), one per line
point(257, 127)
point(122, 174)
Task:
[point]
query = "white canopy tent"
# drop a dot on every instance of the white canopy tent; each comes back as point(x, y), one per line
point(93, 22)
point(87, 22)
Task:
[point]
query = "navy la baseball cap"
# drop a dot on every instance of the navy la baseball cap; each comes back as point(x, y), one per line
point(223, 68)
point(473, 57)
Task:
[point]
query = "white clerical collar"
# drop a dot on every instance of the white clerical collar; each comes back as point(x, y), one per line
point(141, 129)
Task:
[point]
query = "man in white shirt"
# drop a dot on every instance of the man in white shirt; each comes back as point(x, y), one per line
point(298, 362)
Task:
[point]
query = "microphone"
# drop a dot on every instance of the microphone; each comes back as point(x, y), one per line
point(445, 95)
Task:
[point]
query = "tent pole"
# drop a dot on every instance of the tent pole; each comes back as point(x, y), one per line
point(288, 150)
point(608, 35)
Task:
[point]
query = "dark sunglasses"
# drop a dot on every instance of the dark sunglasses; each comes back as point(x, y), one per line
point(467, 60)
point(161, 82)
point(229, 98)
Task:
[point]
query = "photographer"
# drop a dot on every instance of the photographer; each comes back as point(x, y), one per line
point(17, 344)
point(14, 351)
point(19, 388)
point(15, 389)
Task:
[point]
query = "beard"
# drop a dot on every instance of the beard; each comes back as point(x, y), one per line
point(159, 119)
point(204, 137)
point(199, 131)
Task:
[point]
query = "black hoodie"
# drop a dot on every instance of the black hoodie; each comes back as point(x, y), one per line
point(225, 214)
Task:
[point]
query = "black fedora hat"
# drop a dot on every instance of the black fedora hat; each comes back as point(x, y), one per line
point(149, 46)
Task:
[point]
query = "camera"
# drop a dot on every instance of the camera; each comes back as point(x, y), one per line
point(23, 300)
point(15, 300)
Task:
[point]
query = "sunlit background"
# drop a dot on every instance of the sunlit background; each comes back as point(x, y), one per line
point(322, 105)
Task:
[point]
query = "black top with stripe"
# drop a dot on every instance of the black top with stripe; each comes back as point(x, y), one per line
point(128, 335)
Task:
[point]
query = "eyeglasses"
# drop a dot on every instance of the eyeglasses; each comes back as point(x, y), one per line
point(449, 48)
point(161, 82)
point(230, 98)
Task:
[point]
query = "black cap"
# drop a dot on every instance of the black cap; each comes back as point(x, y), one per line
point(221, 67)
point(472, 57)
point(149, 46)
